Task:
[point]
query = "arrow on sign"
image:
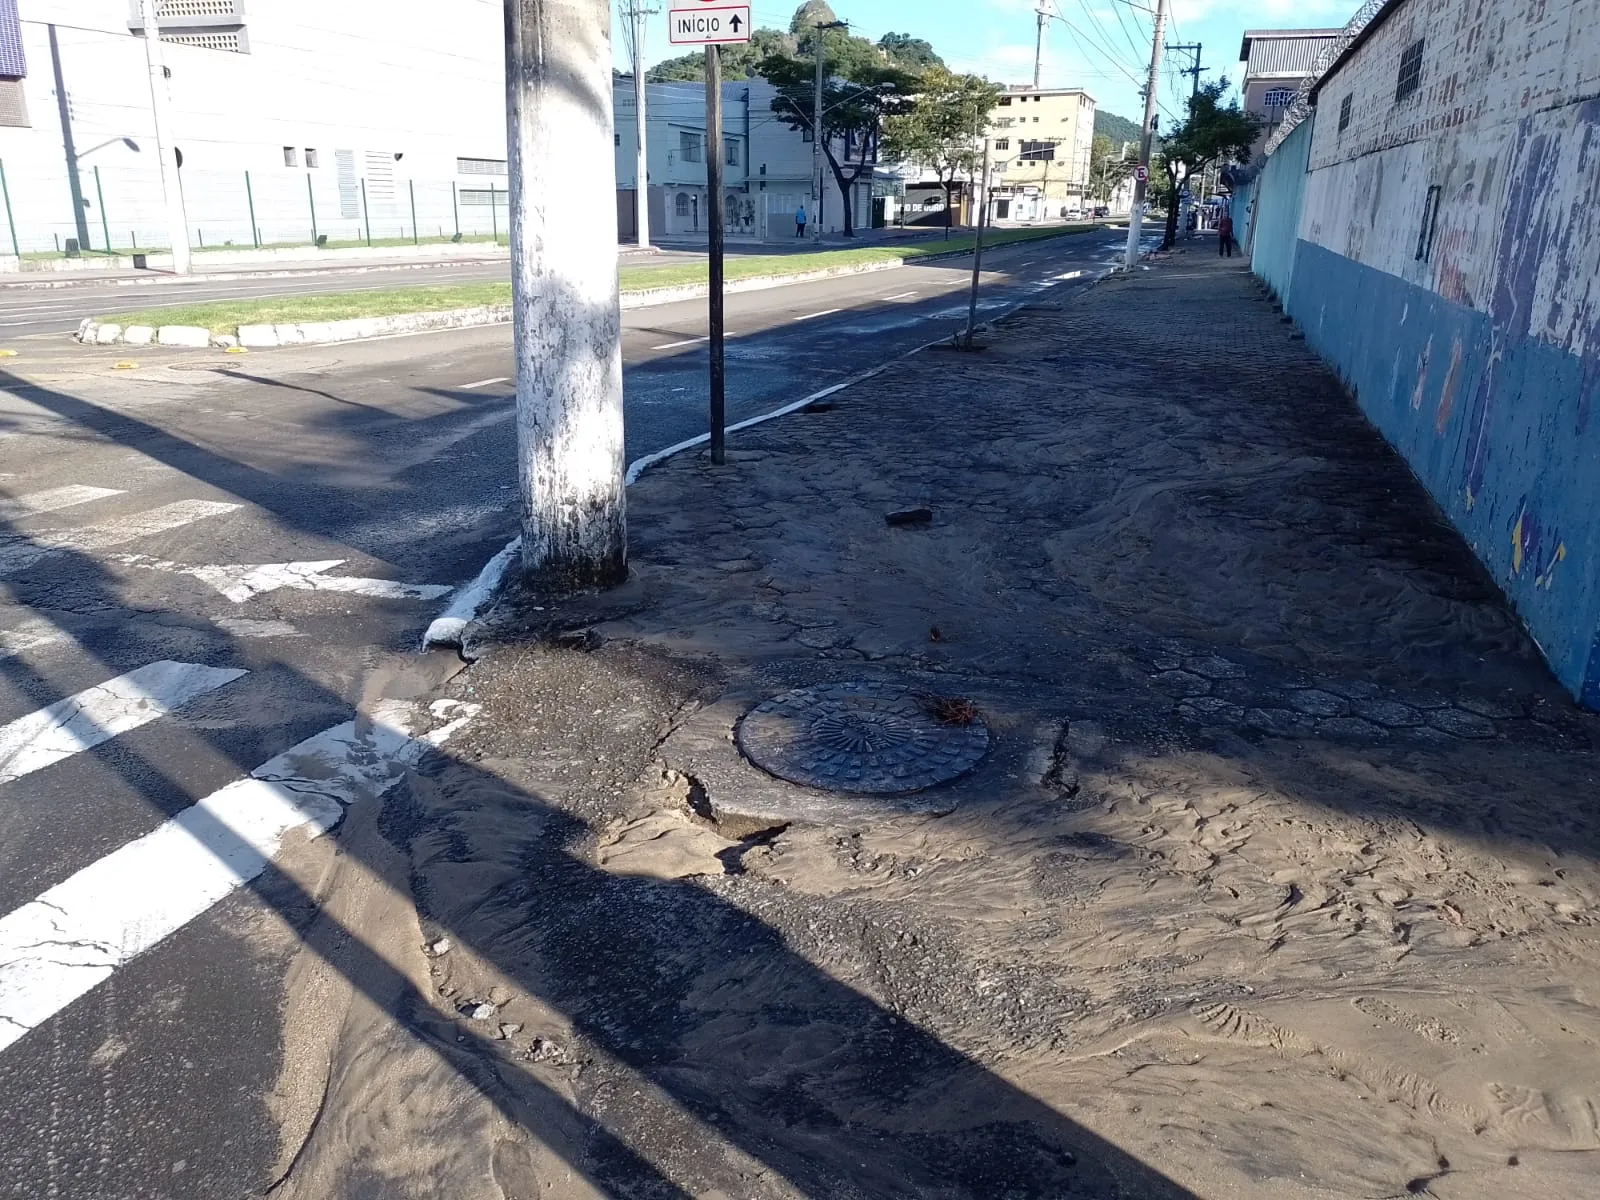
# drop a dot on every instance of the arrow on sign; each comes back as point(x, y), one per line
point(735, 22)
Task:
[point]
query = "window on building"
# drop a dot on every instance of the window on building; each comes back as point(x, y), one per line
point(805, 134)
point(1410, 78)
point(616, 139)
point(1002, 143)
point(730, 151)
point(1038, 152)
point(688, 146)
point(1344, 112)
point(311, 157)
point(1005, 101)
point(1430, 221)
point(480, 166)
point(1278, 97)
point(681, 204)
point(290, 158)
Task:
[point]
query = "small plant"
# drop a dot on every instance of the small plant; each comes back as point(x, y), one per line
point(952, 710)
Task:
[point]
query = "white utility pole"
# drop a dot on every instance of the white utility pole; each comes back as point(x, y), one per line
point(161, 117)
point(1043, 13)
point(641, 196)
point(816, 135)
point(566, 320)
point(1136, 216)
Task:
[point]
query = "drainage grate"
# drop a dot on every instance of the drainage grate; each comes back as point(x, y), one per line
point(864, 737)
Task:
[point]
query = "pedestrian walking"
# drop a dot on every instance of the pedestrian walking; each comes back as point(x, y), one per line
point(1225, 241)
point(800, 221)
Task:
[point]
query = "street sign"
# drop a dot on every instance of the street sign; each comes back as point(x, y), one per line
point(709, 25)
point(1142, 174)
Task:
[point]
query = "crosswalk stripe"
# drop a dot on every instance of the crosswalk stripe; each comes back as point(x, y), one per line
point(18, 551)
point(59, 947)
point(83, 721)
point(52, 499)
point(30, 634)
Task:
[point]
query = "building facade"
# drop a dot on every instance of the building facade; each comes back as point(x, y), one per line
point(1441, 248)
point(296, 119)
point(1276, 63)
point(1043, 139)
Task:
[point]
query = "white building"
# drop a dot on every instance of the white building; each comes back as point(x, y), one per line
point(347, 120)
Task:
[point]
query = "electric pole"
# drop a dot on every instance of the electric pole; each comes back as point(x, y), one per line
point(1136, 216)
point(977, 248)
point(566, 321)
point(1193, 48)
point(161, 118)
point(1043, 13)
point(641, 168)
point(818, 180)
point(714, 205)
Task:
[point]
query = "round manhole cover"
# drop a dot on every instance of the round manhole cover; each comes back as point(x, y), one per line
point(863, 737)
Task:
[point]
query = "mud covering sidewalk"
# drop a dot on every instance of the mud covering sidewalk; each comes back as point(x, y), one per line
point(1276, 877)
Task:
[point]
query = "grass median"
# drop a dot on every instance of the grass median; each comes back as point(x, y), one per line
point(225, 316)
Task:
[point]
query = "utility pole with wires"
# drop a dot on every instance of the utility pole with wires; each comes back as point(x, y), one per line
point(818, 182)
point(1193, 48)
point(635, 14)
point(1043, 13)
point(1141, 177)
point(161, 118)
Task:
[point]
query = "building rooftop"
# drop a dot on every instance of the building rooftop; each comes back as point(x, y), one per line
point(1025, 89)
point(1283, 51)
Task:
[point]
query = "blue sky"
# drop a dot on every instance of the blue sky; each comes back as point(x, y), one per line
point(1088, 49)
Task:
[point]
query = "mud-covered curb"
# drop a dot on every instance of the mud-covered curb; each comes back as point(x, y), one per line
point(303, 333)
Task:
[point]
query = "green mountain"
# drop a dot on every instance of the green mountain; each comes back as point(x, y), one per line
point(1118, 129)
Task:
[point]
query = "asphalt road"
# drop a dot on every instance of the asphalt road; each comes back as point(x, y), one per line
point(174, 716)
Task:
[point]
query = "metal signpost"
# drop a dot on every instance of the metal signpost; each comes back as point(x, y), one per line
point(713, 24)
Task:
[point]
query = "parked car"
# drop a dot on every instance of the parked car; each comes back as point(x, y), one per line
point(1102, 210)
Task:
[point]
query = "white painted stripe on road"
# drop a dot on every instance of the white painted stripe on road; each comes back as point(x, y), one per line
point(483, 383)
point(98, 714)
point(685, 342)
point(52, 499)
point(901, 296)
point(59, 947)
point(18, 552)
point(827, 312)
point(31, 634)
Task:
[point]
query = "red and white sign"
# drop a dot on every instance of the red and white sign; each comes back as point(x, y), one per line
point(709, 24)
point(1142, 174)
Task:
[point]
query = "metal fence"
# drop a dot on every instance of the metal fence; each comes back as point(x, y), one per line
point(121, 209)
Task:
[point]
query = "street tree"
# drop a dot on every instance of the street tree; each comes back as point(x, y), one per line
point(941, 129)
point(859, 94)
point(1109, 164)
point(1214, 132)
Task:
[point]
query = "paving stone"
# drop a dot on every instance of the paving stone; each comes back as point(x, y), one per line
point(1317, 703)
point(1461, 724)
point(1389, 713)
point(1214, 667)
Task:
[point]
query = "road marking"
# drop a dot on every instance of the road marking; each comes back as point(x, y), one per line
point(483, 383)
point(30, 635)
point(240, 583)
point(901, 296)
point(97, 714)
point(827, 312)
point(250, 628)
point(52, 499)
point(20, 551)
point(685, 342)
point(59, 947)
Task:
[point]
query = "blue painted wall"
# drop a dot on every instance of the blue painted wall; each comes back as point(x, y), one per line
point(1279, 194)
point(1498, 427)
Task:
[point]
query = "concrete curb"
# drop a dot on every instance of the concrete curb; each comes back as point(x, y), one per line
point(107, 333)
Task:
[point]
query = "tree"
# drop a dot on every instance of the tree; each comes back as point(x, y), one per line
point(912, 53)
point(942, 128)
point(1214, 132)
point(738, 62)
point(1109, 164)
point(858, 95)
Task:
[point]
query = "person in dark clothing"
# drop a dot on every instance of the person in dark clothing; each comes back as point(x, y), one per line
point(1225, 241)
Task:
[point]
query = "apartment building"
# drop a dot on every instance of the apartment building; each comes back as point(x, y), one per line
point(1043, 141)
point(1276, 63)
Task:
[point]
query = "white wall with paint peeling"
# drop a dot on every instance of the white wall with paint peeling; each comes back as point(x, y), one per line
point(1506, 91)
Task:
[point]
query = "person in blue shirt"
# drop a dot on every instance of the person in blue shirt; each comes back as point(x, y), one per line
point(800, 221)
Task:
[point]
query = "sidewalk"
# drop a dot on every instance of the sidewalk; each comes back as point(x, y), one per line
point(1277, 878)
